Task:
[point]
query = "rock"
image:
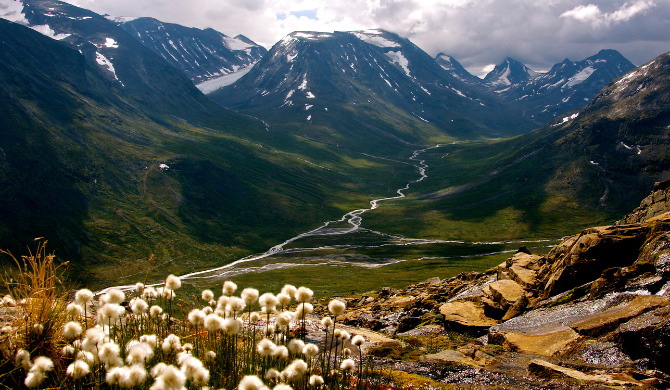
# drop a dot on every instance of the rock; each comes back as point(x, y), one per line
point(434, 280)
point(578, 258)
point(547, 344)
point(542, 369)
point(506, 292)
point(523, 249)
point(408, 323)
point(517, 308)
point(608, 320)
point(449, 355)
point(466, 316)
point(646, 336)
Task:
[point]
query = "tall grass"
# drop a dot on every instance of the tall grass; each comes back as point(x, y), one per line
point(148, 338)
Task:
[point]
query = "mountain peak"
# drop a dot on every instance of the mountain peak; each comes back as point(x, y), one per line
point(509, 72)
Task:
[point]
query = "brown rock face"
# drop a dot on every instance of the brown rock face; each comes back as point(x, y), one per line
point(466, 315)
point(506, 292)
point(579, 258)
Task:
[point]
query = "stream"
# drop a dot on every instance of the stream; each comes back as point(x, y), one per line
point(338, 243)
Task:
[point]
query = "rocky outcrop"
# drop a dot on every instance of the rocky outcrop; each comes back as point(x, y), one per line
point(657, 203)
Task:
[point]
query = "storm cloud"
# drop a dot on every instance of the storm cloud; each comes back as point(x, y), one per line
point(478, 33)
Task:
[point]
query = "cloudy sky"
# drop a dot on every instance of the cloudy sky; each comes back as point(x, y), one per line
point(478, 33)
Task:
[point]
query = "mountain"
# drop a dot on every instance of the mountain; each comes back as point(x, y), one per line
point(455, 69)
point(201, 54)
point(584, 168)
point(109, 177)
point(385, 86)
point(567, 86)
point(507, 73)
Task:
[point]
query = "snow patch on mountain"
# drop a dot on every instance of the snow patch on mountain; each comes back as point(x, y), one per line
point(120, 19)
point(397, 58)
point(44, 29)
point(103, 61)
point(235, 44)
point(580, 77)
point(111, 43)
point(371, 37)
point(215, 84)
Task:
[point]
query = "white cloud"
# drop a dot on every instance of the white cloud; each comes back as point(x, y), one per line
point(591, 13)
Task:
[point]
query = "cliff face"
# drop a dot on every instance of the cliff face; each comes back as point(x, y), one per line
point(601, 298)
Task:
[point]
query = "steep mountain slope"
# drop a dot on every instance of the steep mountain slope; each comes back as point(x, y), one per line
point(455, 69)
point(373, 78)
point(122, 59)
point(109, 179)
point(201, 54)
point(583, 169)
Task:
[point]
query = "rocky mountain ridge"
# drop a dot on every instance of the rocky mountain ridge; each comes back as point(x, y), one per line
point(201, 54)
point(597, 304)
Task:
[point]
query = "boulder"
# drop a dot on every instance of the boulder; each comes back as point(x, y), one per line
point(466, 316)
point(608, 320)
point(450, 356)
point(542, 369)
point(517, 308)
point(551, 343)
point(505, 292)
point(408, 323)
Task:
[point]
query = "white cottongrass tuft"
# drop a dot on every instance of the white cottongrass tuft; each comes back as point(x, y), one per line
point(272, 375)
point(170, 378)
point(74, 309)
point(236, 304)
point(114, 295)
point(149, 293)
point(336, 307)
point(213, 323)
point(38, 329)
point(344, 335)
point(150, 339)
point(87, 357)
point(172, 282)
point(265, 347)
point(67, 351)
point(347, 365)
point(109, 352)
point(283, 299)
point(346, 352)
point(158, 369)
point(78, 369)
point(196, 317)
point(139, 287)
point(168, 294)
point(171, 343)
point(303, 294)
point(280, 352)
point(71, 330)
point(358, 340)
point(139, 306)
point(289, 290)
point(8, 301)
point(210, 356)
point(43, 364)
point(155, 311)
point(310, 350)
point(116, 375)
point(315, 380)
point(284, 318)
point(231, 326)
point(295, 346)
point(253, 317)
point(229, 287)
point(207, 295)
point(327, 322)
point(139, 353)
point(282, 386)
point(83, 296)
point(267, 300)
point(34, 379)
point(207, 310)
point(251, 382)
point(250, 295)
point(22, 359)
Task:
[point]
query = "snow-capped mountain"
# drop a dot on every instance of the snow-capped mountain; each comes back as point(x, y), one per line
point(567, 86)
point(374, 72)
point(201, 54)
point(123, 60)
point(543, 96)
point(507, 73)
